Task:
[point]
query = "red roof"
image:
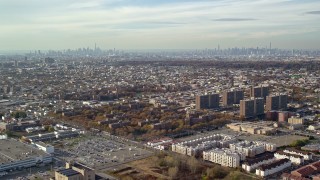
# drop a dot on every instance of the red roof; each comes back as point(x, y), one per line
point(305, 171)
point(292, 177)
point(316, 165)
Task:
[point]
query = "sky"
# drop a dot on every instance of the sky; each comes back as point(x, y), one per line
point(159, 24)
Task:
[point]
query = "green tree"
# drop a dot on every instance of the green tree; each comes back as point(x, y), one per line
point(299, 143)
point(50, 129)
point(19, 114)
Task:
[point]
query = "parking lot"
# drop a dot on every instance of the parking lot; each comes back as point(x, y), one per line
point(101, 153)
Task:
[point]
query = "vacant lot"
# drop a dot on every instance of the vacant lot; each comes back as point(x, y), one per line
point(286, 139)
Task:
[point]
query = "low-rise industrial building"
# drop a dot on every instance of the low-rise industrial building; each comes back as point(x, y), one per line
point(264, 128)
point(75, 171)
point(60, 134)
point(67, 174)
point(45, 147)
point(17, 155)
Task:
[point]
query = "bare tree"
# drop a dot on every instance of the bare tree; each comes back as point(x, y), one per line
point(193, 164)
point(173, 172)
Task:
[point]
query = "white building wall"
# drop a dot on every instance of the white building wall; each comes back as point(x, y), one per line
point(273, 170)
point(255, 166)
point(305, 156)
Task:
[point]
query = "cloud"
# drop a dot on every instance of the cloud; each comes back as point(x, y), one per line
point(158, 22)
point(313, 12)
point(235, 19)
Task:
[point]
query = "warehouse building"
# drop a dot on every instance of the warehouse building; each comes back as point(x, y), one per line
point(15, 155)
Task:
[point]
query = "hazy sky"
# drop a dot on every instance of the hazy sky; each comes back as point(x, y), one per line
point(156, 24)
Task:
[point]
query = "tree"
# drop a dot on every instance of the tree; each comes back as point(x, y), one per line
point(299, 143)
point(193, 164)
point(169, 161)
point(216, 172)
point(173, 172)
point(154, 160)
point(50, 129)
point(19, 114)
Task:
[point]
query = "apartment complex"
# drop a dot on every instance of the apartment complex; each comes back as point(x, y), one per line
point(305, 172)
point(196, 146)
point(252, 148)
point(251, 107)
point(259, 91)
point(305, 155)
point(258, 106)
point(232, 97)
point(272, 168)
point(276, 102)
point(224, 157)
point(251, 164)
point(247, 108)
point(209, 101)
point(295, 159)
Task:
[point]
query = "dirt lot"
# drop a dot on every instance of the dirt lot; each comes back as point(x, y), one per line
point(286, 139)
point(146, 166)
point(140, 169)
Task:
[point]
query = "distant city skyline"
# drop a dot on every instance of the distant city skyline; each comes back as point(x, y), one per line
point(158, 24)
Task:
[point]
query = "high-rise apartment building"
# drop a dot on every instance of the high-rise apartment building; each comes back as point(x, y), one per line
point(259, 91)
point(207, 101)
point(272, 103)
point(264, 91)
point(238, 96)
point(202, 101)
point(228, 98)
point(258, 106)
point(214, 100)
point(283, 102)
point(278, 102)
point(232, 97)
point(247, 108)
point(255, 92)
point(251, 107)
